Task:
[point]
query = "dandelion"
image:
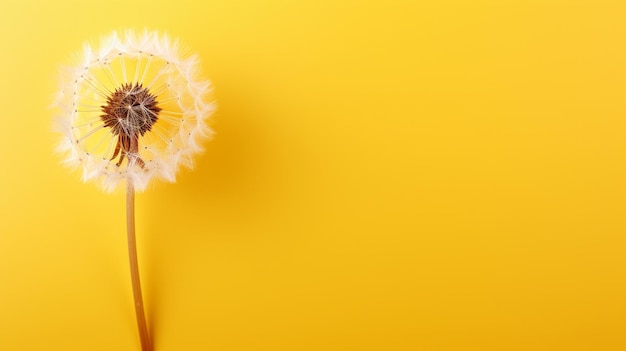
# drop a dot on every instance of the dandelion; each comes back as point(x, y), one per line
point(132, 111)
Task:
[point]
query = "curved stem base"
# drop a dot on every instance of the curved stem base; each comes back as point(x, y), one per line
point(146, 343)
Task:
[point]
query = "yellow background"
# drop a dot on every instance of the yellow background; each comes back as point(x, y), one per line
point(389, 175)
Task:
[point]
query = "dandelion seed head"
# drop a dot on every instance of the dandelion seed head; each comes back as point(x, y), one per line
point(133, 109)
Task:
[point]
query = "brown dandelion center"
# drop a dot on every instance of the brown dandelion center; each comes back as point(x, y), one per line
point(130, 111)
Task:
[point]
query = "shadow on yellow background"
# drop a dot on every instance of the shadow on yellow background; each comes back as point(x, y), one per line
point(400, 175)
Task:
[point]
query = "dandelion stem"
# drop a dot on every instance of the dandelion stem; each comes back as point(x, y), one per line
point(146, 344)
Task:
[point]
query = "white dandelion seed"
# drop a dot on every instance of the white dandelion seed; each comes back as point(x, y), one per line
point(133, 110)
